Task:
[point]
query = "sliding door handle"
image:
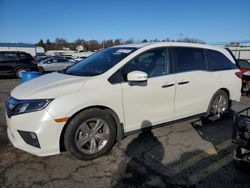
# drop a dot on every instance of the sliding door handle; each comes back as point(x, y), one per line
point(167, 85)
point(183, 82)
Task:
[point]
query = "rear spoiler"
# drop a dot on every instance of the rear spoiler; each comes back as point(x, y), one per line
point(233, 56)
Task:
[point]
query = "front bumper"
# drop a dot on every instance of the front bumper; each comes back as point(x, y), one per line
point(43, 125)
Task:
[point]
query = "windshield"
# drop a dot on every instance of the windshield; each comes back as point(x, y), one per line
point(100, 62)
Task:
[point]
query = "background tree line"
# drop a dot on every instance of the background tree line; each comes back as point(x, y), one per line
point(92, 45)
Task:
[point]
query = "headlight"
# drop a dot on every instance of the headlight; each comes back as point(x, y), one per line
point(15, 106)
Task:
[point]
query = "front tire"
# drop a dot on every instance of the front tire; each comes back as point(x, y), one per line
point(219, 105)
point(90, 134)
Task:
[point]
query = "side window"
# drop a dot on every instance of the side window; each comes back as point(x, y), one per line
point(1, 57)
point(189, 59)
point(61, 60)
point(218, 61)
point(154, 62)
point(24, 56)
point(9, 57)
point(50, 61)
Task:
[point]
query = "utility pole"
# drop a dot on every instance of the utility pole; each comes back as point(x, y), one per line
point(103, 44)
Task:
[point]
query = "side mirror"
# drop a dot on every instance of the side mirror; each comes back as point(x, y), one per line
point(137, 76)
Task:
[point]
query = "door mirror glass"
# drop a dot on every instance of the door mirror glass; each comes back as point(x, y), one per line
point(137, 76)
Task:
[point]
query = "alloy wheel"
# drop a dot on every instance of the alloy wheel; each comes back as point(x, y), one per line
point(92, 135)
point(219, 106)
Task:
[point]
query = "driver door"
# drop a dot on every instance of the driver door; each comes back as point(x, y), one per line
point(151, 102)
point(49, 65)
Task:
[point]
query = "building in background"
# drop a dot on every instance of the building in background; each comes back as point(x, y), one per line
point(242, 52)
point(21, 47)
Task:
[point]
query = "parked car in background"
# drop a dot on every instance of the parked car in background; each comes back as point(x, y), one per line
point(80, 58)
point(118, 91)
point(69, 57)
point(15, 63)
point(41, 58)
point(55, 64)
point(244, 66)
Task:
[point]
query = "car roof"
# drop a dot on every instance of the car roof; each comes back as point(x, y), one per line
point(135, 45)
point(152, 45)
point(16, 52)
point(57, 57)
point(173, 44)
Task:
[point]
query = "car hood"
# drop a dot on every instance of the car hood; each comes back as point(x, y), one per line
point(48, 86)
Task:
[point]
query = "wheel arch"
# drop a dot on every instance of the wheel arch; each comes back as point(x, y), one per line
point(20, 67)
point(229, 97)
point(112, 113)
point(226, 90)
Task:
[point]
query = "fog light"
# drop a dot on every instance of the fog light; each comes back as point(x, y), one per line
point(30, 138)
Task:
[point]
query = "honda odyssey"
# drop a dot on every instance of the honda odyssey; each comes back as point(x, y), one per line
point(89, 106)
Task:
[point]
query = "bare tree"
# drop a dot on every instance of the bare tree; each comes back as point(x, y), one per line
point(92, 45)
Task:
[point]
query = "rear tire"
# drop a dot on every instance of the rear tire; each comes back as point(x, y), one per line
point(218, 106)
point(19, 72)
point(90, 134)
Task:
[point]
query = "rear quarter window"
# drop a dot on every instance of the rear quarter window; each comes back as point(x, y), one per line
point(218, 61)
point(25, 56)
point(61, 60)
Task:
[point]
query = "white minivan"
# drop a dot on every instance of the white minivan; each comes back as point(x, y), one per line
point(119, 90)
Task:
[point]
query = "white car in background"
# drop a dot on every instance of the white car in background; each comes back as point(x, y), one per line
point(51, 64)
point(119, 90)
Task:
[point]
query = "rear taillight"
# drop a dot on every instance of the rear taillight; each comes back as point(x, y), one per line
point(33, 61)
point(239, 74)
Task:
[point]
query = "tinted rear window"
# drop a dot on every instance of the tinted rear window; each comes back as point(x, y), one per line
point(218, 61)
point(189, 59)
